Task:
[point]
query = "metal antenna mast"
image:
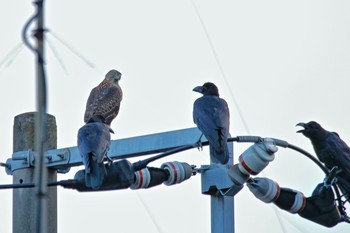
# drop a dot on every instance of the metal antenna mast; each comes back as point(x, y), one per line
point(40, 168)
point(40, 121)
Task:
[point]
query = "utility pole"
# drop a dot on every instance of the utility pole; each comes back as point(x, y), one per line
point(25, 200)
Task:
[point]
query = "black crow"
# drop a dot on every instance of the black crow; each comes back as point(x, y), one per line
point(330, 150)
point(212, 116)
point(93, 143)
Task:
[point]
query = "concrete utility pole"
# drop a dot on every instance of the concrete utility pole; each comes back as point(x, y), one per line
point(25, 202)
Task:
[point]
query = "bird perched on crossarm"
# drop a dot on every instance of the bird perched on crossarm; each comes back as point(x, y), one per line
point(212, 117)
point(330, 150)
point(93, 144)
point(105, 98)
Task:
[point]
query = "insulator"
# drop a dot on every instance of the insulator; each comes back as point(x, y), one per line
point(264, 189)
point(236, 175)
point(252, 161)
point(178, 172)
point(319, 208)
point(269, 191)
point(257, 157)
point(149, 177)
point(142, 179)
point(290, 200)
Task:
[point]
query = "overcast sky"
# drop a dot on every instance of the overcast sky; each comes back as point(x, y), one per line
point(278, 62)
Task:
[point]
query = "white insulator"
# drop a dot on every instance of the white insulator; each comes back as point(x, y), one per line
point(299, 203)
point(142, 179)
point(236, 175)
point(178, 172)
point(257, 157)
point(264, 189)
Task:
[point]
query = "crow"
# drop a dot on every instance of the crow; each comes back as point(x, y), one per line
point(212, 117)
point(93, 143)
point(105, 98)
point(331, 150)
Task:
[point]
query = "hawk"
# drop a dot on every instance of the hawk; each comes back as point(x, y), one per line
point(212, 117)
point(104, 100)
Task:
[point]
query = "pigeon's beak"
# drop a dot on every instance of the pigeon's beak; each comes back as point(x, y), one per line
point(111, 130)
point(198, 89)
point(302, 125)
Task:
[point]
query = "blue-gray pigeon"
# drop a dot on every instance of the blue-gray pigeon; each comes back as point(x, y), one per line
point(93, 143)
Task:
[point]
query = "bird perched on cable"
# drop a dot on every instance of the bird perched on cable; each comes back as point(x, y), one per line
point(330, 150)
point(212, 117)
point(93, 143)
point(105, 98)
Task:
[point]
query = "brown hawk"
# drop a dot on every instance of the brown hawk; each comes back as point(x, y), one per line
point(104, 100)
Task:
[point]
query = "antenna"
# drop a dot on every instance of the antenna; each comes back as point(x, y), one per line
point(40, 119)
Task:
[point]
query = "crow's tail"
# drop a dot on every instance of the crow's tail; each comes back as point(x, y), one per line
point(221, 156)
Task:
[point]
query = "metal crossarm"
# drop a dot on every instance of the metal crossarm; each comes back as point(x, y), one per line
point(63, 159)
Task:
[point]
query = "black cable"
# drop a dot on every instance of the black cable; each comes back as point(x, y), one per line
point(310, 156)
point(32, 185)
point(341, 206)
point(143, 163)
point(252, 139)
point(25, 29)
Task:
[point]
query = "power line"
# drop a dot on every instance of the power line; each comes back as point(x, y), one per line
point(153, 218)
point(211, 44)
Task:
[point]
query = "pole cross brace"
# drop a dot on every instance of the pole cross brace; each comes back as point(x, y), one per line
point(63, 159)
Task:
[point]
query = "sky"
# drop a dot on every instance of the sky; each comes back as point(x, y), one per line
point(277, 63)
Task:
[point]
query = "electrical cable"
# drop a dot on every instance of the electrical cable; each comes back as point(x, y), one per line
point(24, 32)
point(143, 163)
point(240, 139)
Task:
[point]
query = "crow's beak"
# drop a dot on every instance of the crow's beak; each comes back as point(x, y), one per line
point(302, 125)
point(198, 89)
